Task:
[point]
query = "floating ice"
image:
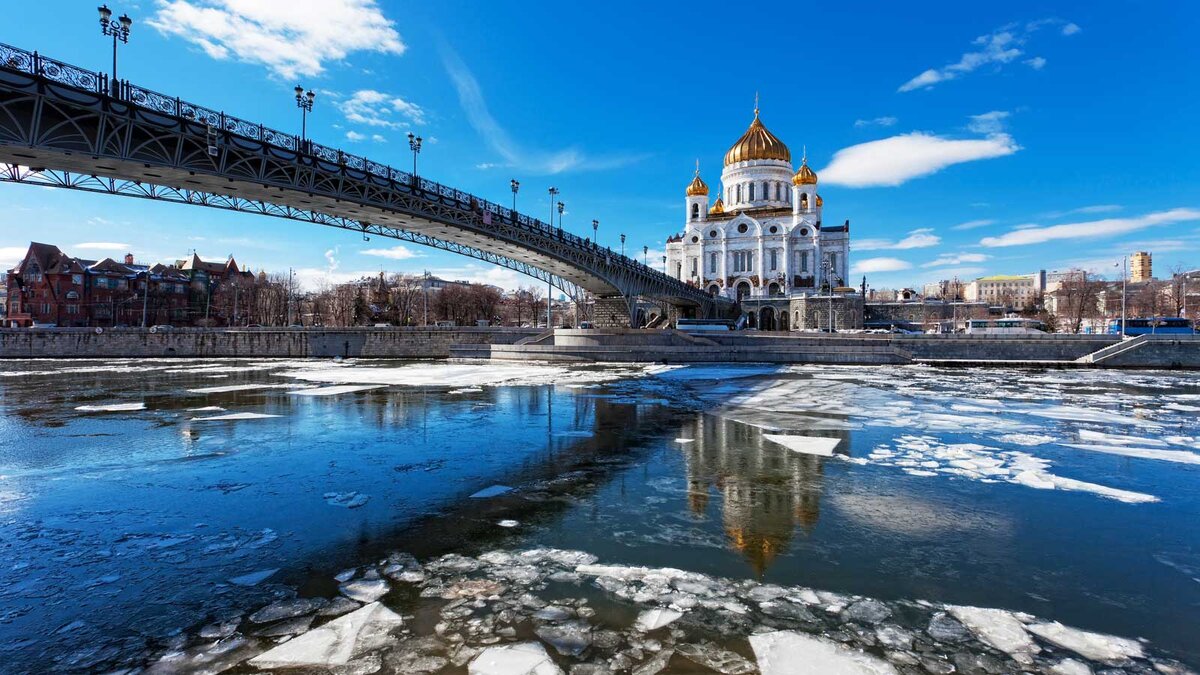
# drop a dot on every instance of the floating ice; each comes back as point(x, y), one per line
point(365, 590)
point(1118, 439)
point(336, 642)
point(349, 500)
point(286, 609)
point(809, 445)
point(1029, 440)
point(569, 638)
point(335, 390)
point(1076, 414)
point(1180, 456)
point(1070, 667)
point(254, 578)
point(792, 653)
point(112, 407)
point(228, 388)
point(234, 416)
point(207, 408)
point(1094, 646)
point(492, 491)
point(998, 628)
point(508, 523)
point(525, 658)
point(685, 440)
point(653, 619)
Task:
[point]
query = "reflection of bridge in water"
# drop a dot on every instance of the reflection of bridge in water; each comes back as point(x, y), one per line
point(766, 489)
point(67, 127)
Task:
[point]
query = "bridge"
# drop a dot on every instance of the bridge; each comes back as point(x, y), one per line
point(68, 127)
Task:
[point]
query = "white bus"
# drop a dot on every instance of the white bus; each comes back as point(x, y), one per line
point(1012, 325)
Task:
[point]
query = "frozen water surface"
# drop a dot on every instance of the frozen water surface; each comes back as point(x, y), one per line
point(669, 519)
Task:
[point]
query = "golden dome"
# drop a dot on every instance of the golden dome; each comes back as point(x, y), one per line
point(717, 208)
point(820, 202)
point(697, 187)
point(757, 143)
point(805, 176)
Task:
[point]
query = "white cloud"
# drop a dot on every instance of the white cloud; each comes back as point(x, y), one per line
point(355, 136)
point(1094, 208)
point(397, 252)
point(877, 122)
point(331, 258)
point(939, 274)
point(956, 259)
point(290, 38)
point(1035, 234)
point(996, 49)
point(11, 255)
point(470, 96)
point(377, 109)
point(872, 265)
point(102, 246)
point(988, 122)
point(922, 238)
point(315, 278)
point(893, 161)
point(973, 224)
point(378, 138)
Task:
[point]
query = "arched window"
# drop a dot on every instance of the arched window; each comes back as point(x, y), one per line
point(766, 190)
point(751, 198)
point(803, 201)
point(695, 211)
point(739, 194)
point(787, 196)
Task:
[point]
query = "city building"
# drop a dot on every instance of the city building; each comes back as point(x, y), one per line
point(50, 288)
point(1017, 291)
point(1141, 267)
point(763, 239)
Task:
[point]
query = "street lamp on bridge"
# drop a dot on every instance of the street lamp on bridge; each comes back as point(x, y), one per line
point(305, 103)
point(414, 144)
point(596, 232)
point(561, 206)
point(119, 30)
point(515, 185)
point(645, 255)
point(622, 245)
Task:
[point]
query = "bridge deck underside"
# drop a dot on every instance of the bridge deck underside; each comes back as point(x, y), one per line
point(125, 170)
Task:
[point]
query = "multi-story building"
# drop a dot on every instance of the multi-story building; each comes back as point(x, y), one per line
point(1141, 267)
point(50, 288)
point(1018, 291)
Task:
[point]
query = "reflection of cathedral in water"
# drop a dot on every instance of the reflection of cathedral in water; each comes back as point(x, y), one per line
point(767, 490)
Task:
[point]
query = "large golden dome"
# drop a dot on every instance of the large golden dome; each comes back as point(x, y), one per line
point(697, 187)
point(757, 143)
point(805, 176)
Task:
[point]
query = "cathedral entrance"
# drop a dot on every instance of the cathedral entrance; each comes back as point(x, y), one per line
point(766, 319)
point(743, 289)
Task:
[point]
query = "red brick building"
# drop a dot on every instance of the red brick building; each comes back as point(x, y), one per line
point(50, 288)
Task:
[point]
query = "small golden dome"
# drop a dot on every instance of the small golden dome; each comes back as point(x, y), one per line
point(717, 208)
point(757, 143)
point(697, 187)
point(805, 176)
point(820, 202)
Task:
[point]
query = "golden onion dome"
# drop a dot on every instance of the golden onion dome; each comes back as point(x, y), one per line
point(820, 202)
point(805, 176)
point(757, 143)
point(697, 187)
point(717, 208)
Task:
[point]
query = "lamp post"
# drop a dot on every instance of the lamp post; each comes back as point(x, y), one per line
point(304, 101)
point(825, 267)
point(414, 144)
point(1124, 282)
point(596, 232)
point(119, 30)
point(145, 297)
point(516, 186)
point(645, 255)
point(550, 287)
point(622, 245)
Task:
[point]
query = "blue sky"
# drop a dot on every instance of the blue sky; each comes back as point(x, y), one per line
point(959, 139)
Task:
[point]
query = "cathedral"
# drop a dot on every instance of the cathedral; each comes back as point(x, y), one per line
point(762, 240)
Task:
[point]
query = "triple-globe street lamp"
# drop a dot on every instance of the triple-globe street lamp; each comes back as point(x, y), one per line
point(414, 144)
point(119, 30)
point(304, 101)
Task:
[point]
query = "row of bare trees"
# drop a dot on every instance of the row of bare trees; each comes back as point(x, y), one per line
point(1083, 299)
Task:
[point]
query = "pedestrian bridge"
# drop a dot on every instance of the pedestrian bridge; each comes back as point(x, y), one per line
point(68, 127)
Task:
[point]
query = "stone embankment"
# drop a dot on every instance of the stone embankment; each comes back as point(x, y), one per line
point(1049, 350)
point(21, 343)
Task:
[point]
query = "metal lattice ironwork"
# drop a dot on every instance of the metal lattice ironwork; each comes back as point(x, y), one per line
point(12, 173)
point(69, 127)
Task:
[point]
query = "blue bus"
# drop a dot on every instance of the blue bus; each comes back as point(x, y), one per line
point(1165, 325)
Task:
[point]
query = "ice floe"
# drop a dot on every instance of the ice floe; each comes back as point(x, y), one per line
point(653, 619)
point(335, 390)
point(230, 388)
point(334, 643)
point(998, 628)
point(525, 658)
point(349, 500)
point(253, 578)
point(808, 445)
point(112, 407)
point(1094, 646)
point(1180, 456)
point(793, 653)
point(234, 416)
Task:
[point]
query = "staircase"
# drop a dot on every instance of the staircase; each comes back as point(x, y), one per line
point(1110, 351)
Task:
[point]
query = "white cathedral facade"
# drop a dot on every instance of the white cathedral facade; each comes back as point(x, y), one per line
point(763, 238)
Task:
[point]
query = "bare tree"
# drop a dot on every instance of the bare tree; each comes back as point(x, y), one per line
point(1078, 300)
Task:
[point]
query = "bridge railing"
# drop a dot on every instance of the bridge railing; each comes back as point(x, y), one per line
point(33, 63)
